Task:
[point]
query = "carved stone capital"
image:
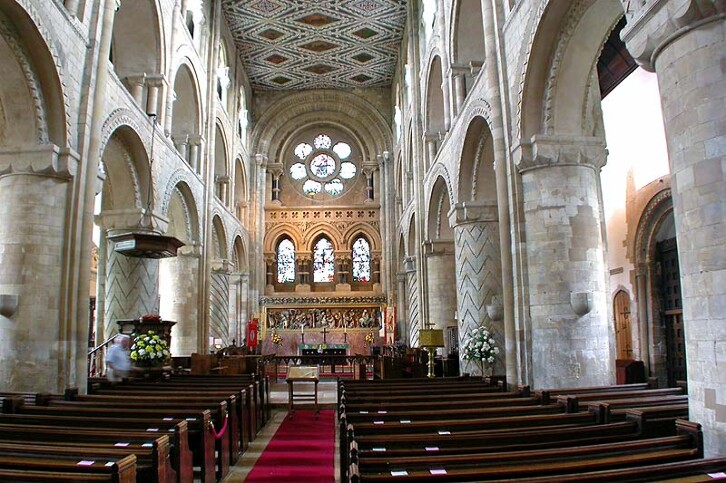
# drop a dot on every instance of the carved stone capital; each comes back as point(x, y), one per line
point(44, 159)
point(548, 151)
point(136, 219)
point(190, 250)
point(434, 248)
point(260, 160)
point(275, 169)
point(653, 24)
point(156, 80)
point(196, 139)
point(222, 266)
point(473, 212)
point(409, 264)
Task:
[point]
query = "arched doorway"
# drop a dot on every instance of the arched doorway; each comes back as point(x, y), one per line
point(621, 313)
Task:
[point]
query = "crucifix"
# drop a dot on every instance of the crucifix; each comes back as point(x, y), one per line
point(325, 335)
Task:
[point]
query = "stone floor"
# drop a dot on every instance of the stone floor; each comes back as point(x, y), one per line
point(327, 399)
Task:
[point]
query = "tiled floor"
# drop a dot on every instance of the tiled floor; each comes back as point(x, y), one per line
point(327, 398)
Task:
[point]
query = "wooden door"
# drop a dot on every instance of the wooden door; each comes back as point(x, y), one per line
point(672, 311)
point(623, 338)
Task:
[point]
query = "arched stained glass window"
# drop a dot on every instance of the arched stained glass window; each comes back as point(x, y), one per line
point(361, 261)
point(323, 166)
point(285, 261)
point(323, 261)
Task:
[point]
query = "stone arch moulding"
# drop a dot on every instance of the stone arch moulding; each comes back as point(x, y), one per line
point(220, 229)
point(43, 70)
point(181, 179)
point(225, 145)
point(657, 210)
point(327, 230)
point(365, 230)
point(280, 231)
point(123, 117)
point(355, 112)
point(457, 6)
point(136, 163)
point(471, 183)
point(427, 92)
point(564, 51)
point(240, 252)
point(439, 171)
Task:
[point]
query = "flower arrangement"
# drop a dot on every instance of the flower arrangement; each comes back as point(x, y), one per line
point(275, 338)
point(480, 347)
point(149, 349)
point(369, 338)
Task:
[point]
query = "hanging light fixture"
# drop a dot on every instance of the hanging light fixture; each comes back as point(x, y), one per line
point(148, 243)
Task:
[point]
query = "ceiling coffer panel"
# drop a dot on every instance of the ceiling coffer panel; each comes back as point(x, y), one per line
point(303, 44)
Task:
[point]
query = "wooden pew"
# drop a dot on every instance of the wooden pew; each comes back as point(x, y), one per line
point(45, 468)
point(151, 462)
point(523, 464)
point(72, 399)
point(179, 459)
point(546, 394)
point(194, 436)
point(573, 400)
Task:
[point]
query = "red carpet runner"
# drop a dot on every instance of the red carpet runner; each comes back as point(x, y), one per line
point(302, 450)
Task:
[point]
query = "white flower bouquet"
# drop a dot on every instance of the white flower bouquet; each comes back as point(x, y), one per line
point(480, 347)
point(149, 349)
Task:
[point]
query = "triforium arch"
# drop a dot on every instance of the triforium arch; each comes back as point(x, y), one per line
point(36, 176)
point(187, 115)
point(222, 167)
point(240, 190)
point(466, 45)
point(435, 120)
point(136, 50)
point(559, 159)
point(475, 222)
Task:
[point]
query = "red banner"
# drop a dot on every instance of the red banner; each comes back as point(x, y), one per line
point(252, 332)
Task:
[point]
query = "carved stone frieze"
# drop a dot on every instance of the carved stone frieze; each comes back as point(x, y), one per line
point(547, 151)
point(473, 212)
point(653, 24)
point(308, 299)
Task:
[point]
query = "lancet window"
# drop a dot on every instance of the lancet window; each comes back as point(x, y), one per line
point(285, 261)
point(323, 261)
point(361, 260)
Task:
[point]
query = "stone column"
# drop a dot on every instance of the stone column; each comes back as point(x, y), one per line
point(219, 301)
point(34, 196)
point(684, 42)
point(441, 284)
point(459, 79)
point(243, 283)
point(195, 152)
point(156, 97)
point(136, 87)
point(572, 342)
point(182, 145)
point(275, 170)
point(401, 297)
point(72, 7)
point(478, 275)
point(179, 297)
point(413, 319)
point(369, 169)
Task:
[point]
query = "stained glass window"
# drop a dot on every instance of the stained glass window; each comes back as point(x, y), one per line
point(342, 150)
point(302, 150)
point(347, 170)
point(311, 187)
point(322, 165)
point(297, 171)
point(361, 260)
point(335, 187)
point(322, 141)
point(323, 261)
point(285, 261)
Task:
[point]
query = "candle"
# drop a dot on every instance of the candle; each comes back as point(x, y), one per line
point(345, 329)
point(302, 329)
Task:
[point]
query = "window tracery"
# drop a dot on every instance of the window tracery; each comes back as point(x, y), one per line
point(323, 165)
point(323, 261)
point(361, 260)
point(285, 261)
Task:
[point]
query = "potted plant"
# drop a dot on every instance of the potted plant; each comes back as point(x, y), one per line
point(480, 348)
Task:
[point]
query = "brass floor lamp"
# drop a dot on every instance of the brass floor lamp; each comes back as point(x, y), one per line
point(430, 339)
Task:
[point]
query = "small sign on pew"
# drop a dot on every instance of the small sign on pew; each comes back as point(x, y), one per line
point(147, 445)
point(168, 419)
point(382, 412)
point(719, 475)
point(444, 432)
point(85, 463)
point(377, 422)
point(432, 448)
point(121, 445)
point(364, 412)
point(153, 430)
point(439, 471)
point(405, 421)
point(399, 473)
point(379, 450)
point(109, 463)
point(191, 419)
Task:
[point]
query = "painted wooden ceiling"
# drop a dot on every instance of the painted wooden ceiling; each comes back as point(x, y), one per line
point(315, 44)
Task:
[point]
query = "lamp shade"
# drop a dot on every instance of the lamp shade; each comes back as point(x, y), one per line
point(431, 338)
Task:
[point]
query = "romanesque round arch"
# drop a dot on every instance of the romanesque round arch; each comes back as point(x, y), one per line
point(476, 154)
point(180, 183)
point(557, 77)
point(219, 238)
point(466, 27)
point(433, 93)
point(128, 174)
point(186, 66)
point(23, 31)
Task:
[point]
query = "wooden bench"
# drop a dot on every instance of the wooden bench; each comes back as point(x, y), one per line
point(193, 437)
point(525, 464)
point(45, 468)
point(179, 459)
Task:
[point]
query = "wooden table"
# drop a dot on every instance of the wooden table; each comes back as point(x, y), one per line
point(302, 374)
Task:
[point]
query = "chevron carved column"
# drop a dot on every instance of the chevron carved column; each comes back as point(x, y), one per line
point(132, 288)
point(414, 320)
point(478, 274)
point(219, 301)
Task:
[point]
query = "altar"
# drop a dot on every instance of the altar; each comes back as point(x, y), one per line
point(324, 349)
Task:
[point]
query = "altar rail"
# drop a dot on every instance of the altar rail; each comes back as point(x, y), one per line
point(360, 364)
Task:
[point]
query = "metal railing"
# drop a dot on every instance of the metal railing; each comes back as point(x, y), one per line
point(97, 358)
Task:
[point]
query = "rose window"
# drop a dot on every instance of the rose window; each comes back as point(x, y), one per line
point(323, 165)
